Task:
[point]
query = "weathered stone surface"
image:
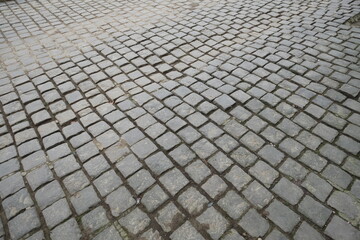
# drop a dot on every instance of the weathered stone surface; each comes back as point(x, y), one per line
point(179, 120)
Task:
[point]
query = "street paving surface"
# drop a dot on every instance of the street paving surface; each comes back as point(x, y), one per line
point(179, 119)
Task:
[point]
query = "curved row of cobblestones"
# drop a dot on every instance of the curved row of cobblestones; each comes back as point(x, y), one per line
point(179, 119)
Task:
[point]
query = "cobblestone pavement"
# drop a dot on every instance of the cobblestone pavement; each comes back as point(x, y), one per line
point(179, 119)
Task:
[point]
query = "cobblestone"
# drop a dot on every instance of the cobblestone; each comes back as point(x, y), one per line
point(314, 211)
point(337, 176)
point(264, 173)
point(288, 191)
point(135, 221)
point(23, 223)
point(198, 171)
point(230, 119)
point(233, 204)
point(109, 233)
point(284, 217)
point(237, 177)
point(84, 200)
point(214, 186)
point(340, 229)
point(305, 231)
point(317, 186)
point(346, 205)
point(186, 231)
point(67, 230)
point(169, 217)
point(276, 234)
point(95, 219)
point(119, 201)
point(153, 198)
point(254, 224)
point(140, 181)
point(56, 213)
point(174, 181)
